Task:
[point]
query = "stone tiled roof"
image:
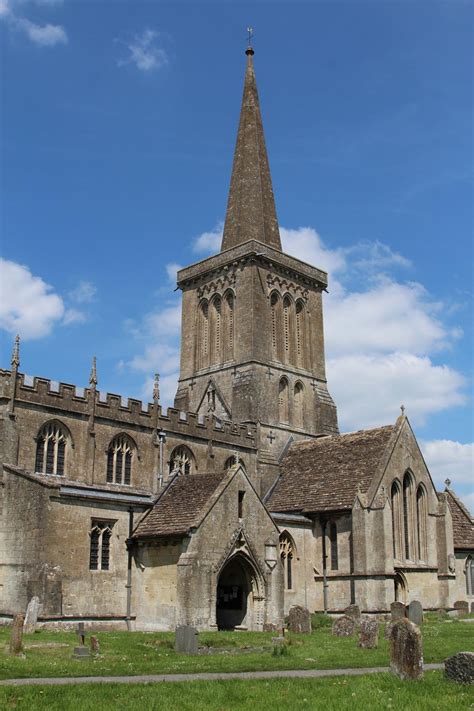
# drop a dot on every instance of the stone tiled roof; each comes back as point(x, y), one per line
point(179, 506)
point(325, 474)
point(463, 523)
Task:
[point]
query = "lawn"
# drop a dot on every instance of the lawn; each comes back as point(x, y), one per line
point(49, 653)
point(378, 691)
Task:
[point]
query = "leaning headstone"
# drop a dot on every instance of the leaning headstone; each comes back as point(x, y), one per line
point(95, 645)
point(31, 617)
point(406, 650)
point(353, 611)
point(397, 611)
point(81, 651)
point(415, 612)
point(299, 620)
point(460, 668)
point(369, 633)
point(344, 626)
point(186, 639)
point(461, 607)
point(16, 634)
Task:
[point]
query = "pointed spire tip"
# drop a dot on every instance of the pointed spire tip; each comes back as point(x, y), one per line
point(16, 352)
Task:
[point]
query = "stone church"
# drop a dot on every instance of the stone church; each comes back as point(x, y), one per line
point(242, 500)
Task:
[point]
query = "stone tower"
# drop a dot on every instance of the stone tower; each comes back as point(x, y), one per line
point(252, 346)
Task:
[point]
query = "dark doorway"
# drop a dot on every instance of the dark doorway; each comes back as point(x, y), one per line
point(233, 588)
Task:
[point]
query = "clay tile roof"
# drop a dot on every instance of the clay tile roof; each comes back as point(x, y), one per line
point(463, 523)
point(324, 474)
point(177, 509)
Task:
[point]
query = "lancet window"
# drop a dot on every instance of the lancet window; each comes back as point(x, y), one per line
point(299, 404)
point(202, 335)
point(215, 330)
point(181, 460)
point(283, 400)
point(228, 326)
point(51, 449)
point(421, 522)
point(215, 323)
point(397, 520)
point(289, 330)
point(232, 461)
point(408, 516)
point(334, 546)
point(300, 335)
point(287, 556)
point(470, 575)
point(119, 460)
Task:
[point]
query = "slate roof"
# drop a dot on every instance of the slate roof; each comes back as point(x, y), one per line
point(463, 523)
point(324, 474)
point(179, 506)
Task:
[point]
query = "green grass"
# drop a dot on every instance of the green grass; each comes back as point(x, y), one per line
point(378, 691)
point(129, 653)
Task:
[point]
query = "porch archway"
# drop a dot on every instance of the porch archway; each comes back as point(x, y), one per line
point(239, 598)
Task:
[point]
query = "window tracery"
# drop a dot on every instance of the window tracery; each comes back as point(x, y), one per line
point(470, 575)
point(119, 460)
point(51, 449)
point(287, 556)
point(181, 460)
point(100, 535)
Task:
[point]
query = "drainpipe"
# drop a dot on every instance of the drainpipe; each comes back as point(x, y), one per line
point(129, 544)
point(161, 440)
point(325, 579)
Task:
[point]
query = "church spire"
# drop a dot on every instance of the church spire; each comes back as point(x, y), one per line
point(251, 212)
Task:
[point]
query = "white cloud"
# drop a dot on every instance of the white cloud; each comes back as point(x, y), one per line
point(83, 293)
point(209, 242)
point(72, 316)
point(28, 305)
point(145, 53)
point(4, 8)
point(172, 270)
point(42, 35)
point(304, 243)
point(450, 460)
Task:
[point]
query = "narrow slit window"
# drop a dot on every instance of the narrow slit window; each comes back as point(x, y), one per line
point(241, 504)
point(334, 551)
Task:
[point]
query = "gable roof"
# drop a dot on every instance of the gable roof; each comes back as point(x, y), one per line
point(325, 474)
point(463, 523)
point(178, 507)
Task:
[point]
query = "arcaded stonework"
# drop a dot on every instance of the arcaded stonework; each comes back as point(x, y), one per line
point(243, 500)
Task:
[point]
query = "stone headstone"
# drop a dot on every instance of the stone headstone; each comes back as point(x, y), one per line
point(344, 626)
point(397, 611)
point(462, 607)
point(81, 651)
point(460, 668)
point(31, 617)
point(299, 620)
point(186, 639)
point(353, 611)
point(406, 650)
point(369, 633)
point(95, 645)
point(16, 635)
point(415, 612)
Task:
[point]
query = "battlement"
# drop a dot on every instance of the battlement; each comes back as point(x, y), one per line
point(66, 398)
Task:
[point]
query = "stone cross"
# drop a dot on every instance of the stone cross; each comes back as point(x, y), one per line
point(192, 383)
point(269, 373)
point(81, 635)
point(81, 651)
point(271, 437)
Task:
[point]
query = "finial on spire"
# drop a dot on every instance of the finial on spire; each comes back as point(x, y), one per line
point(93, 375)
point(402, 408)
point(156, 388)
point(249, 50)
point(448, 483)
point(16, 353)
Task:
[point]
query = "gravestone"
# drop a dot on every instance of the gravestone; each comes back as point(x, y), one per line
point(95, 645)
point(299, 620)
point(397, 611)
point(16, 635)
point(186, 639)
point(369, 633)
point(415, 612)
point(344, 626)
point(81, 651)
point(460, 668)
point(354, 612)
point(388, 629)
point(406, 650)
point(461, 607)
point(31, 617)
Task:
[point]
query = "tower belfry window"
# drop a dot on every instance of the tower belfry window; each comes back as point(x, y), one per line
point(283, 400)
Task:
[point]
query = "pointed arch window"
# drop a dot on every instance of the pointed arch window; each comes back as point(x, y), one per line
point(421, 523)
point(287, 329)
point(228, 326)
point(300, 335)
point(334, 545)
point(287, 556)
point(51, 449)
point(277, 326)
point(100, 535)
point(232, 461)
point(470, 575)
point(182, 461)
point(283, 400)
point(299, 404)
point(119, 460)
point(216, 330)
point(397, 521)
point(202, 336)
point(408, 516)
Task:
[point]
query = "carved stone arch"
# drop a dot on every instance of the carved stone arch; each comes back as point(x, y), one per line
point(400, 585)
point(182, 460)
point(121, 453)
point(202, 335)
point(469, 572)
point(232, 461)
point(240, 594)
point(288, 557)
point(54, 445)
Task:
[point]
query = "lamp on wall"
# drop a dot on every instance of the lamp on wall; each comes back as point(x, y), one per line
point(271, 557)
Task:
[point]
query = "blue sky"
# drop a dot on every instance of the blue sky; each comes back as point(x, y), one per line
point(118, 128)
